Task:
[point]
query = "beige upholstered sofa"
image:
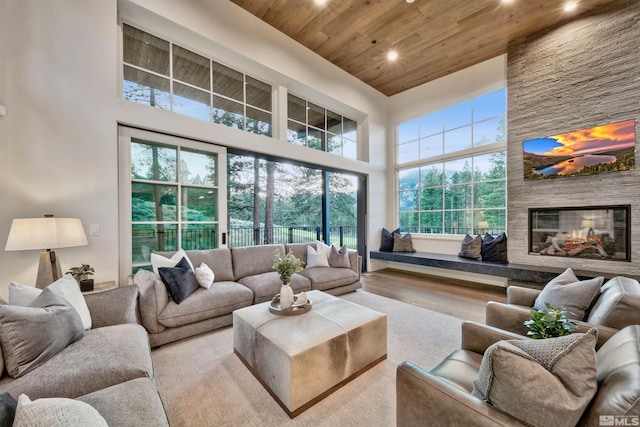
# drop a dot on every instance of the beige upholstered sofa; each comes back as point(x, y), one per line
point(443, 396)
point(243, 276)
point(109, 367)
point(617, 306)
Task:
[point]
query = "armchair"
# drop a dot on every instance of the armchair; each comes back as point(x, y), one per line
point(442, 396)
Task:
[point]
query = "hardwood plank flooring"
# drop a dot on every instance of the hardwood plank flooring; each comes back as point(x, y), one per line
point(463, 299)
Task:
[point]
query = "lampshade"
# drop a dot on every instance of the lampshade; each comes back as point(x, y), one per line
point(483, 224)
point(45, 233)
point(587, 223)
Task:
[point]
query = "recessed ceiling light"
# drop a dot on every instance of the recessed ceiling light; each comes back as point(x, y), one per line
point(392, 55)
point(570, 6)
point(410, 1)
point(320, 2)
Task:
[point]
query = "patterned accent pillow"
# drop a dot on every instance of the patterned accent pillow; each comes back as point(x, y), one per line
point(402, 243)
point(556, 377)
point(56, 411)
point(471, 247)
point(568, 291)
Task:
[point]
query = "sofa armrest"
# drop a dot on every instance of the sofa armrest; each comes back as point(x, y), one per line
point(511, 318)
point(356, 262)
point(113, 307)
point(422, 399)
point(477, 337)
point(522, 296)
point(152, 299)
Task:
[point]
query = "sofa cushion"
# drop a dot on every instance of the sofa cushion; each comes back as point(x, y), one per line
point(179, 280)
point(66, 287)
point(618, 304)
point(339, 257)
point(134, 403)
point(30, 336)
point(218, 260)
point(618, 377)
point(541, 382)
point(568, 291)
point(266, 285)
point(56, 412)
point(103, 357)
point(327, 278)
point(251, 260)
point(222, 298)
point(299, 250)
point(471, 247)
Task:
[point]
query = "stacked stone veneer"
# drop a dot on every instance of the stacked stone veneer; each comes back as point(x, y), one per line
point(575, 76)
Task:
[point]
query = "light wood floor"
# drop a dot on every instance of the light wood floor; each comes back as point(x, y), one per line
point(462, 299)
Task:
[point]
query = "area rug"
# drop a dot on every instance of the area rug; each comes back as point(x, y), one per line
point(203, 383)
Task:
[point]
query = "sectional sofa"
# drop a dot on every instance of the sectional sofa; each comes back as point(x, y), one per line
point(109, 367)
point(243, 276)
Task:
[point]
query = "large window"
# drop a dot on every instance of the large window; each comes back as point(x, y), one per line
point(167, 76)
point(451, 168)
point(316, 127)
point(274, 201)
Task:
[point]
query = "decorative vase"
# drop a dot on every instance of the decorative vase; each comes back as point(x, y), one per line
point(286, 296)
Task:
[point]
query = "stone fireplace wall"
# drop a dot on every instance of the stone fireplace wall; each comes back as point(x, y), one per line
point(575, 76)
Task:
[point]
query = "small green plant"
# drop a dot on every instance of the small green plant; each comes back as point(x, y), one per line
point(286, 266)
point(82, 272)
point(550, 322)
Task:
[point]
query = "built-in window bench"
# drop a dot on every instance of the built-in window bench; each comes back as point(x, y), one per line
point(523, 275)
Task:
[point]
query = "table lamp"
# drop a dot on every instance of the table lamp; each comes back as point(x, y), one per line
point(46, 234)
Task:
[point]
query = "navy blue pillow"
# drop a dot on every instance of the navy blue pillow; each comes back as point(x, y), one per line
point(386, 242)
point(179, 280)
point(8, 407)
point(494, 248)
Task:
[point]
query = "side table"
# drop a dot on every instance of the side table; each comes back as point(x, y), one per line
point(102, 286)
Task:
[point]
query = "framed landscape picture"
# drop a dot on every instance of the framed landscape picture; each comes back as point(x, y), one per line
point(606, 148)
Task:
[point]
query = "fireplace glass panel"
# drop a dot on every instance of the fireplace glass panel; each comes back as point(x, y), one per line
point(600, 232)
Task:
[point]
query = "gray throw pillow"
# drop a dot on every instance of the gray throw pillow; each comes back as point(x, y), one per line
point(402, 243)
point(568, 291)
point(31, 335)
point(471, 247)
point(540, 382)
point(339, 258)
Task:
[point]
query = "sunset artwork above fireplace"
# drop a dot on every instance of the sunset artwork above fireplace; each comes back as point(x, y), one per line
point(606, 148)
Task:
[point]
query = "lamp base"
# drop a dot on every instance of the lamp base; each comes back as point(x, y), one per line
point(49, 269)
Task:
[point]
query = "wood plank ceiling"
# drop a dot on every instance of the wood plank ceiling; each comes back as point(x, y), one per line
point(433, 38)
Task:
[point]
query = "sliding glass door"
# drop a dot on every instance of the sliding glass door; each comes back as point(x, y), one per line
point(173, 195)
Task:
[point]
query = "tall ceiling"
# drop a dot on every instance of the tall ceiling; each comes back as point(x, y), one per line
point(433, 38)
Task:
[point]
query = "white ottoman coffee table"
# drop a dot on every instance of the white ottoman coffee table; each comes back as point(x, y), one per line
point(302, 359)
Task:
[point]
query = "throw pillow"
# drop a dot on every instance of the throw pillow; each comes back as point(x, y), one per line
point(402, 243)
point(205, 276)
point(316, 258)
point(386, 241)
point(326, 248)
point(158, 260)
point(618, 304)
point(471, 247)
point(339, 258)
point(541, 382)
point(7, 409)
point(66, 287)
point(31, 335)
point(180, 280)
point(494, 248)
point(56, 412)
point(568, 291)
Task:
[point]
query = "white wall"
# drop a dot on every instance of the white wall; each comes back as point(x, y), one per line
point(60, 81)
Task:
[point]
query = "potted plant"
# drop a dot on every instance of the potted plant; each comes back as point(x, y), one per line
point(81, 274)
point(550, 322)
point(286, 267)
